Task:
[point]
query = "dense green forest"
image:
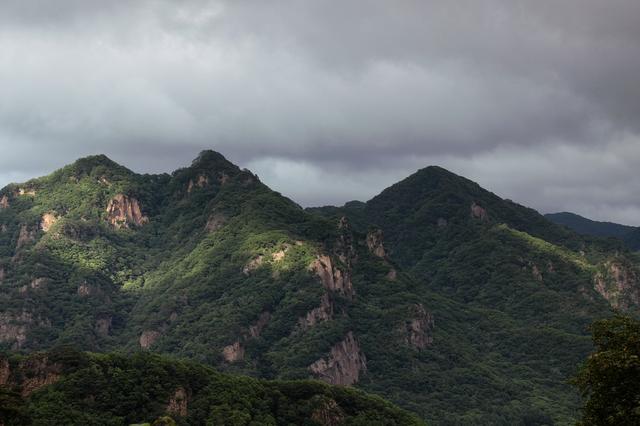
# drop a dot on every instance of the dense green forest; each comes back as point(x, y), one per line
point(629, 234)
point(608, 379)
point(65, 387)
point(437, 295)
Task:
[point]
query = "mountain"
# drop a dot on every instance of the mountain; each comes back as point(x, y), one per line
point(436, 294)
point(629, 234)
point(64, 387)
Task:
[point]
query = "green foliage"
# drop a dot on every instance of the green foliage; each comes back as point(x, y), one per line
point(609, 378)
point(629, 234)
point(221, 250)
point(112, 389)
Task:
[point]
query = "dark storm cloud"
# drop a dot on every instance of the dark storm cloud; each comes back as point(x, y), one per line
point(537, 100)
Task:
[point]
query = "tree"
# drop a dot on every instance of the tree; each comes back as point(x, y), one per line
point(609, 379)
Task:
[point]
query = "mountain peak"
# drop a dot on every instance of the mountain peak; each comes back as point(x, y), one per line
point(211, 159)
point(95, 160)
point(86, 165)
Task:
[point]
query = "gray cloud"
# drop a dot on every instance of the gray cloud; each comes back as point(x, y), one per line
point(537, 101)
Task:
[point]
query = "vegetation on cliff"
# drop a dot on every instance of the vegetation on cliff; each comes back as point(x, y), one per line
point(65, 387)
point(436, 294)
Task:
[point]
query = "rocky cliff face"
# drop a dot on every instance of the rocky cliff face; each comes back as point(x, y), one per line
point(148, 338)
point(48, 220)
point(233, 352)
point(178, 403)
point(39, 372)
point(200, 182)
point(344, 364)
point(124, 211)
point(374, 242)
point(333, 279)
point(419, 329)
point(103, 325)
point(478, 212)
point(5, 371)
point(256, 329)
point(30, 374)
point(324, 312)
point(25, 237)
point(215, 222)
point(4, 202)
point(252, 265)
point(619, 285)
point(328, 413)
point(14, 328)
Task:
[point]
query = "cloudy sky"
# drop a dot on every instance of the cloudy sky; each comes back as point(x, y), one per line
point(328, 101)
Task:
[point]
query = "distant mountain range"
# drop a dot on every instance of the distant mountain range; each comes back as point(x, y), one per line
point(438, 295)
point(629, 234)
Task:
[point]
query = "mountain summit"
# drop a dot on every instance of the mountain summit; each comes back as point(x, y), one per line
point(437, 294)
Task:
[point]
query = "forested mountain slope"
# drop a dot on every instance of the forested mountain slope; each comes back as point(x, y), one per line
point(436, 294)
point(629, 234)
point(64, 387)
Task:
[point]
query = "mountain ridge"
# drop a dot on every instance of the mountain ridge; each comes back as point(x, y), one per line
point(582, 225)
point(432, 290)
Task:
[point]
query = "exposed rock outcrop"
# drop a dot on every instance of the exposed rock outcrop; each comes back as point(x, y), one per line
point(344, 248)
point(252, 265)
point(256, 329)
point(419, 329)
point(124, 211)
point(38, 372)
point(27, 191)
point(178, 403)
point(535, 271)
point(392, 275)
point(332, 278)
point(478, 212)
point(84, 290)
point(4, 202)
point(25, 237)
point(223, 178)
point(328, 413)
point(324, 312)
point(375, 243)
point(30, 374)
point(278, 256)
point(233, 352)
point(39, 283)
point(148, 338)
point(200, 182)
point(619, 285)
point(103, 325)
point(215, 222)
point(48, 220)
point(344, 364)
point(14, 328)
point(5, 371)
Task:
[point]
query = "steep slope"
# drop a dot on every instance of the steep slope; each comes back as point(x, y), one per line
point(65, 387)
point(629, 234)
point(453, 303)
point(539, 284)
point(207, 263)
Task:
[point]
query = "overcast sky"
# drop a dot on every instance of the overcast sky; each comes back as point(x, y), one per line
point(328, 101)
